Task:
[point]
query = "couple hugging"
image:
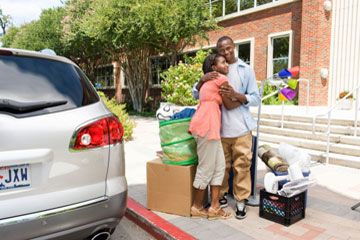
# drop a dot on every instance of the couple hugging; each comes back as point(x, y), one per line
point(222, 127)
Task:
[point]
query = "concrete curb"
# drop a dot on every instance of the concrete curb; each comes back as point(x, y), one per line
point(153, 224)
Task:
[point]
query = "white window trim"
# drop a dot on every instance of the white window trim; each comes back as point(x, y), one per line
point(270, 49)
point(255, 9)
point(252, 49)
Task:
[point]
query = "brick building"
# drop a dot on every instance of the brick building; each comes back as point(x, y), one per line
point(320, 36)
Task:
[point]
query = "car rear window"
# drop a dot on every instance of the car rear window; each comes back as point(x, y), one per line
point(31, 79)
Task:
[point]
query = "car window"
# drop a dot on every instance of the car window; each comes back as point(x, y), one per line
point(31, 79)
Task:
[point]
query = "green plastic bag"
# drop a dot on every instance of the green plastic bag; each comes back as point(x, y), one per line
point(178, 145)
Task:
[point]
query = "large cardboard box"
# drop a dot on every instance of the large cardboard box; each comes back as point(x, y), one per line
point(169, 187)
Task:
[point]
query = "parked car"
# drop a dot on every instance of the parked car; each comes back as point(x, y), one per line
point(62, 173)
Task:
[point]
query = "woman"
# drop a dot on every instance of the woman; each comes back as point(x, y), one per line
point(205, 127)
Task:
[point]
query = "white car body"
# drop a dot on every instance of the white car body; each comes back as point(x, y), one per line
point(73, 194)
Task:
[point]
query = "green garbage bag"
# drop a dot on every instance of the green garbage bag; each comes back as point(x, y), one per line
point(178, 145)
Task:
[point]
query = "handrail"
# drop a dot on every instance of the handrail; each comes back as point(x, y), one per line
point(277, 83)
point(328, 113)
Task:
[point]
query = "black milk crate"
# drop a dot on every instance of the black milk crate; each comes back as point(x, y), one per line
point(283, 210)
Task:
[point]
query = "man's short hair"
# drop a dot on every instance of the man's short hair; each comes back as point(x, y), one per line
point(224, 38)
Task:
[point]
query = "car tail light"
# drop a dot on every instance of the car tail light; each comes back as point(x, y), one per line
point(100, 133)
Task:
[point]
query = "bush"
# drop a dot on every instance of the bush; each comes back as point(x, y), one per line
point(179, 80)
point(274, 100)
point(120, 112)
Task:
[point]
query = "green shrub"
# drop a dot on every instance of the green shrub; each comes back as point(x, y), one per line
point(274, 100)
point(179, 80)
point(120, 112)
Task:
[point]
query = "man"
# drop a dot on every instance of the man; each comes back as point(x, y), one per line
point(237, 123)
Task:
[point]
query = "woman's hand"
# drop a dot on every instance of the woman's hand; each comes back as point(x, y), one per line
point(207, 77)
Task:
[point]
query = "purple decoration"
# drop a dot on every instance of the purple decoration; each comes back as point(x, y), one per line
point(288, 93)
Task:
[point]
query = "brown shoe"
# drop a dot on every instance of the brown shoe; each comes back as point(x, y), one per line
point(219, 213)
point(198, 213)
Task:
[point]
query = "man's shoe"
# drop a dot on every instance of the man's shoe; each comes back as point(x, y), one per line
point(241, 213)
point(223, 201)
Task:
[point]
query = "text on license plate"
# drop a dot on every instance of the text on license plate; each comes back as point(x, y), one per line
point(15, 176)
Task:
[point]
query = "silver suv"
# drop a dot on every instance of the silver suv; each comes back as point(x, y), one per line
point(62, 173)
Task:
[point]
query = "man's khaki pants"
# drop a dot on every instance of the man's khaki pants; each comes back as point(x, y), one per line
point(238, 154)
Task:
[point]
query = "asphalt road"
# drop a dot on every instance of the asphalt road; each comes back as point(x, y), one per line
point(128, 230)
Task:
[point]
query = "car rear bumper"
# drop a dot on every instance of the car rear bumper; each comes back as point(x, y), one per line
point(76, 221)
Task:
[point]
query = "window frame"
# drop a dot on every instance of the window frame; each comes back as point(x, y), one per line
point(151, 84)
point(241, 12)
point(113, 76)
point(252, 48)
point(270, 52)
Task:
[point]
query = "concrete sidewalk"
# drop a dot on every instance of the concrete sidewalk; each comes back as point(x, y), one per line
point(328, 213)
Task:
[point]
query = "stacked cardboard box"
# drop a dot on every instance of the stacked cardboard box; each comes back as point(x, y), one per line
point(169, 187)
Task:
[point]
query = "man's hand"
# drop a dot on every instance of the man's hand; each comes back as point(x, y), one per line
point(228, 91)
point(207, 77)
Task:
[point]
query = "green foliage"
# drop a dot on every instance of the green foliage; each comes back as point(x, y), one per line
point(78, 46)
point(138, 29)
point(9, 37)
point(120, 112)
point(274, 100)
point(43, 33)
point(179, 80)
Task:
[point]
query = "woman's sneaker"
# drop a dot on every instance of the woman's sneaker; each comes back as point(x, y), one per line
point(223, 201)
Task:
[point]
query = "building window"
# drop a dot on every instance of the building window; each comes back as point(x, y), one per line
point(246, 4)
point(158, 66)
point(220, 8)
point(262, 2)
point(216, 8)
point(104, 77)
point(280, 51)
point(231, 6)
point(244, 52)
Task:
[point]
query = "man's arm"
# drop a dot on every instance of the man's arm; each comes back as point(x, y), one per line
point(252, 92)
point(252, 96)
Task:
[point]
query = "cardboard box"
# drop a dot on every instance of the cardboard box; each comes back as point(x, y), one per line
point(169, 187)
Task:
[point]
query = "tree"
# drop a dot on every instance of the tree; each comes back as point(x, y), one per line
point(5, 21)
point(43, 33)
point(137, 29)
point(86, 51)
point(9, 38)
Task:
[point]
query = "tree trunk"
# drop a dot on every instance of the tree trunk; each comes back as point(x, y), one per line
point(118, 83)
point(137, 74)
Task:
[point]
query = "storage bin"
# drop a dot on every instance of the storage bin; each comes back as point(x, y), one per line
point(283, 210)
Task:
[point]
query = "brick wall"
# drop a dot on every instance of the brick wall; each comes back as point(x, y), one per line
point(315, 51)
point(259, 25)
point(311, 28)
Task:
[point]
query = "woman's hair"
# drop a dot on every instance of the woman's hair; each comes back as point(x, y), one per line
point(209, 62)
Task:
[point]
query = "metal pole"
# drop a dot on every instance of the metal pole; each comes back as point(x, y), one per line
point(254, 198)
point(356, 111)
point(328, 139)
point(282, 114)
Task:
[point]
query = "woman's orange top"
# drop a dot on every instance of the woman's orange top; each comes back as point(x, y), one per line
point(207, 118)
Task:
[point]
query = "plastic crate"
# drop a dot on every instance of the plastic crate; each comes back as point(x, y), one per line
point(283, 210)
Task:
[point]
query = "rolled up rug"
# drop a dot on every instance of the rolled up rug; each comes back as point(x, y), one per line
point(272, 159)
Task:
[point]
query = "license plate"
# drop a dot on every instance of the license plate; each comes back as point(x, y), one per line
point(15, 177)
